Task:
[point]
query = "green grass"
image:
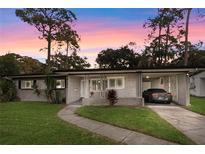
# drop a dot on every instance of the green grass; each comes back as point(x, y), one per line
point(197, 105)
point(139, 119)
point(37, 123)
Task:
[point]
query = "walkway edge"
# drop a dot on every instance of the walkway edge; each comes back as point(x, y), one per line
point(118, 134)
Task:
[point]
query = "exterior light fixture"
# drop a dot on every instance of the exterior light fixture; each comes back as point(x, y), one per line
point(147, 77)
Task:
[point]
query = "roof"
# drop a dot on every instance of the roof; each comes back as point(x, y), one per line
point(34, 76)
point(140, 68)
point(63, 73)
point(197, 72)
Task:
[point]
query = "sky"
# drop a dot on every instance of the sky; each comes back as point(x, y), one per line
point(99, 29)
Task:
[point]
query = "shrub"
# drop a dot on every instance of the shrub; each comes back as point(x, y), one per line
point(7, 90)
point(63, 100)
point(53, 95)
point(112, 97)
point(36, 90)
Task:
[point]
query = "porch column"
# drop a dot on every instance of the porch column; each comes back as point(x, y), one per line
point(139, 88)
point(87, 89)
point(183, 89)
point(68, 93)
point(139, 84)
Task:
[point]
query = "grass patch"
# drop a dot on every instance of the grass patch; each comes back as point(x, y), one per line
point(37, 123)
point(139, 119)
point(197, 105)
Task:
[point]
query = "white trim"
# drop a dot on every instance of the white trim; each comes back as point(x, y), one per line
point(177, 88)
point(101, 85)
point(61, 85)
point(108, 83)
point(116, 77)
point(82, 88)
point(169, 84)
point(23, 84)
point(97, 71)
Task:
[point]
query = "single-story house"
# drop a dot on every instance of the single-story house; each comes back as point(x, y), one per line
point(89, 86)
point(197, 84)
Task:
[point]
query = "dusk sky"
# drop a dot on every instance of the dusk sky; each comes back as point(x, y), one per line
point(98, 29)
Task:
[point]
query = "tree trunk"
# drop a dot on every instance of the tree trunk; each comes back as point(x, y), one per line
point(49, 51)
point(49, 56)
point(186, 54)
point(159, 45)
point(67, 46)
point(166, 44)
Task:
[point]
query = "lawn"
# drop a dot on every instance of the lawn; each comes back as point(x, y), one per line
point(197, 105)
point(139, 119)
point(37, 123)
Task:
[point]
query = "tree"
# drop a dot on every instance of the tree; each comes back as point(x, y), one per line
point(186, 54)
point(64, 62)
point(21, 64)
point(163, 39)
point(48, 21)
point(123, 57)
point(8, 90)
point(69, 37)
point(9, 65)
point(30, 65)
point(196, 56)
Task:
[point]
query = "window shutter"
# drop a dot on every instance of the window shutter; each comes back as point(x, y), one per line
point(34, 82)
point(19, 84)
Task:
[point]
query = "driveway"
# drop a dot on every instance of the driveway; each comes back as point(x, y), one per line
point(190, 123)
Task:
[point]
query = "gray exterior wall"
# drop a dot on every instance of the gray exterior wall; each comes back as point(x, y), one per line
point(183, 90)
point(134, 101)
point(73, 90)
point(129, 95)
point(197, 85)
point(29, 95)
point(131, 85)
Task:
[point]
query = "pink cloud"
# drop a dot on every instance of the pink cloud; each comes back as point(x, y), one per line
point(196, 32)
point(95, 36)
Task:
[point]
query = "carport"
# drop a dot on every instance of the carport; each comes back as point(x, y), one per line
point(176, 83)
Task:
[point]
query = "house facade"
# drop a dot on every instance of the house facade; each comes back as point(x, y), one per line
point(197, 84)
point(90, 86)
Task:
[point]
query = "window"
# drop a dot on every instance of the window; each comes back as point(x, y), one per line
point(98, 84)
point(60, 84)
point(27, 84)
point(111, 83)
point(116, 82)
point(103, 84)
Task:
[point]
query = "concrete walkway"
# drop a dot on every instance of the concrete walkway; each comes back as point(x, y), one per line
point(190, 123)
point(118, 134)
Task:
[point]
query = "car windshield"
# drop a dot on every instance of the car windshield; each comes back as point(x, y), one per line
point(156, 90)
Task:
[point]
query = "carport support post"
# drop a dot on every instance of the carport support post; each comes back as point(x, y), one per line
point(139, 87)
point(183, 89)
point(68, 89)
point(87, 89)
